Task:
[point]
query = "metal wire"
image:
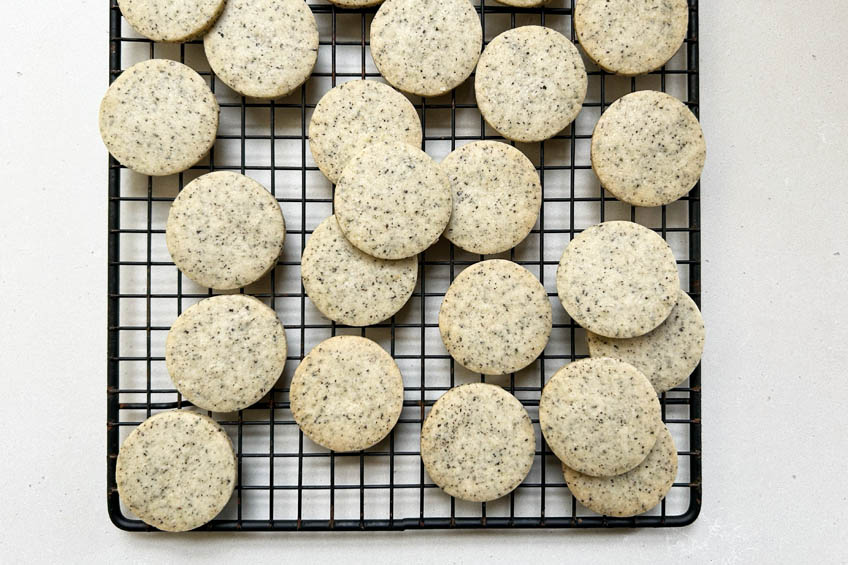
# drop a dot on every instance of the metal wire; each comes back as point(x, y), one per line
point(285, 500)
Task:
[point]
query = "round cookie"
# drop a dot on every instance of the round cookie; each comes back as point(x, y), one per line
point(666, 355)
point(495, 317)
point(618, 279)
point(158, 117)
point(347, 393)
point(355, 3)
point(530, 83)
point(176, 470)
point(496, 196)
point(477, 442)
point(225, 230)
point(355, 114)
point(349, 286)
point(648, 149)
point(171, 20)
point(631, 37)
point(633, 492)
point(426, 47)
point(599, 416)
point(263, 48)
point(392, 200)
point(226, 352)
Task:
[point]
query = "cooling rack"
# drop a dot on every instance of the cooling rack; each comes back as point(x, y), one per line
point(285, 481)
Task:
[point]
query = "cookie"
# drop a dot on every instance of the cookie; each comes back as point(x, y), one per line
point(633, 492)
point(392, 200)
point(426, 47)
point(349, 286)
point(631, 37)
point(355, 114)
point(226, 352)
point(477, 442)
point(666, 355)
point(599, 416)
point(158, 117)
point(355, 3)
point(225, 230)
point(496, 196)
point(530, 83)
point(176, 470)
point(263, 48)
point(495, 317)
point(347, 393)
point(171, 20)
point(618, 279)
point(648, 149)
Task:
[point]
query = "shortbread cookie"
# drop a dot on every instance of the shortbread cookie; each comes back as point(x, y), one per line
point(495, 317)
point(618, 279)
point(347, 393)
point(392, 200)
point(171, 20)
point(530, 83)
point(426, 47)
point(599, 416)
point(158, 117)
point(355, 114)
point(648, 149)
point(176, 471)
point(355, 3)
point(496, 196)
point(633, 492)
point(666, 355)
point(352, 287)
point(225, 230)
point(631, 37)
point(477, 442)
point(263, 48)
point(226, 352)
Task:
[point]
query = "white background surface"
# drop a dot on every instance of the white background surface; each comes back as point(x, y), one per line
point(775, 249)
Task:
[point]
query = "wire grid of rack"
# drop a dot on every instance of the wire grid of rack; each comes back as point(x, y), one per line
point(285, 481)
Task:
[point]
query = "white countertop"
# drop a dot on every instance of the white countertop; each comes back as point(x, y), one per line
point(775, 251)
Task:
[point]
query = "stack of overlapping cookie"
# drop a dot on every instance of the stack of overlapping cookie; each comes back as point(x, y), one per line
point(392, 201)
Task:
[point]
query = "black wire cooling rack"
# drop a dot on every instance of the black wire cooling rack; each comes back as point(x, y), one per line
point(285, 481)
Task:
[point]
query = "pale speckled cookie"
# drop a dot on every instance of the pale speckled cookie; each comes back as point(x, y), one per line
point(176, 470)
point(599, 416)
point(477, 442)
point(530, 83)
point(426, 47)
point(225, 230)
point(496, 196)
point(631, 37)
point(355, 114)
point(158, 117)
point(392, 200)
point(355, 3)
point(263, 48)
point(633, 492)
point(666, 355)
point(618, 279)
point(226, 352)
point(349, 286)
point(347, 393)
point(648, 149)
point(171, 20)
point(495, 317)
